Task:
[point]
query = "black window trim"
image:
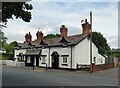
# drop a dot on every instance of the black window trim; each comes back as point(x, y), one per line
point(64, 55)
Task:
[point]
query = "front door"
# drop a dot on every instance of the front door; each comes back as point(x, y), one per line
point(37, 60)
point(32, 60)
point(55, 60)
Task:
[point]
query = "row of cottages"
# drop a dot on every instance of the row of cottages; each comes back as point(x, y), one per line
point(59, 52)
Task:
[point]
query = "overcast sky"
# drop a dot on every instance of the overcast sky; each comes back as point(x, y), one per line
point(49, 16)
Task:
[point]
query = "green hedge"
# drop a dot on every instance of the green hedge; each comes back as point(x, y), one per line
point(7, 56)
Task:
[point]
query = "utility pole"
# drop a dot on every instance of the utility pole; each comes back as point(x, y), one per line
point(91, 67)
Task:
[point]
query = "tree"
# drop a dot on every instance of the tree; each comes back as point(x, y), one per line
point(9, 49)
point(3, 39)
point(48, 36)
point(101, 42)
point(16, 9)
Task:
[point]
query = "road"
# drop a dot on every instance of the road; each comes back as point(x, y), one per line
point(15, 76)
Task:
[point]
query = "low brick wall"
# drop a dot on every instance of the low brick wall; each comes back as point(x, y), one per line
point(104, 66)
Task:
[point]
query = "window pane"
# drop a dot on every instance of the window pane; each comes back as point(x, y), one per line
point(64, 59)
point(43, 59)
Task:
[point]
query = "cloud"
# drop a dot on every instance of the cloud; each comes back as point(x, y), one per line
point(76, 0)
point(49, 16)
point(113, 42)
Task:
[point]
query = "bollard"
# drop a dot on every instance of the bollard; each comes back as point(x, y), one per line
point(93, 67)
point(77, 66)
point(33, 66)
point(46, 67)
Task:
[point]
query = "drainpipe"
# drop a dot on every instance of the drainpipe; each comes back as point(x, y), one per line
point(49, 57)
point(71, 58)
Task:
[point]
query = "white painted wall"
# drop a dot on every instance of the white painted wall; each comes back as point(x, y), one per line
point(11, 63)
point(100, 60)
point(62, 51)
point(44, 52)
point(82, 53)
point(16, 52)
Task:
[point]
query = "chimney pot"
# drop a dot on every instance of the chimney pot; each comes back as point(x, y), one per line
point(39, 35)
point(63, 31)
point(28, 37)
point(86, 28)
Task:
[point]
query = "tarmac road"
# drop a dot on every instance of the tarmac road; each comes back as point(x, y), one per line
point(16, 76)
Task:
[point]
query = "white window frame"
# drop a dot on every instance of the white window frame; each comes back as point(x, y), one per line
point(94, 59)
point(43, 59)
point(65, 59)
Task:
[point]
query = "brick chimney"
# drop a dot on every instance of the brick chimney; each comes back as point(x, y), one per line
point(39, 35)
point(63, 31)
point(28, 37)
point(86, 28)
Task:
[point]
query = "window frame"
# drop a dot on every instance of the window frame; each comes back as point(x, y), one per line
point(43, 59)
point(63, 59)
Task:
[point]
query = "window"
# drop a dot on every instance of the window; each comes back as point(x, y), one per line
point(94, 59)
point(101, 60)
point(52, 59)
point(28, 59)
point(65, 59)
point(43, 59)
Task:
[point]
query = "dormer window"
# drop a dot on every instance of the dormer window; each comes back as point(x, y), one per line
point(43, 44)
point(64, 41)
point(29, 44)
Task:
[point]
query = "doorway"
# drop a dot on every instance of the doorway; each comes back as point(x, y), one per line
point(37, 60)
point(55, 60)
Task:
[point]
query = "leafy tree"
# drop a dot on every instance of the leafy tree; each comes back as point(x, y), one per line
point(10, 48)
point(57, 35)
point(16, 9)
point(116, 53)
point(49, 36)
point(101, 43)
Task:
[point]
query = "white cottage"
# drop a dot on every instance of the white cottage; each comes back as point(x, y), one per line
point(59, 52)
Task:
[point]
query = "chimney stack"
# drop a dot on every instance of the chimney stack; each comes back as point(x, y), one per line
point(28, 37)
point(39, 35)
point(86, 28)
point(63, 31)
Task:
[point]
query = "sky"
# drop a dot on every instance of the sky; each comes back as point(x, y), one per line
point(49, 16)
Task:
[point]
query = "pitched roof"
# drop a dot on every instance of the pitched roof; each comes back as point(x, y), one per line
point(57, 41)
point(33, 52)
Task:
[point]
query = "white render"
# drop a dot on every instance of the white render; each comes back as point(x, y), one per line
point(78, 54)
point(44, 52)
point(62, 51)
point(17, 51)
point(100, 60)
